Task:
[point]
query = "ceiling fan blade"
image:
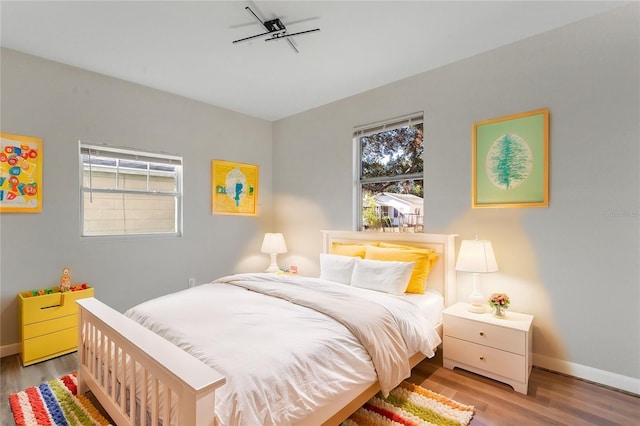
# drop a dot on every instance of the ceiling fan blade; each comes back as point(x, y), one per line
point(293, 46)
point(256, 16)
point(284, 35)
point(253, 36)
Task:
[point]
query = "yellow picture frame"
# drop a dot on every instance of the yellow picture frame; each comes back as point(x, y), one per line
point(234, 188)
point(21, 159)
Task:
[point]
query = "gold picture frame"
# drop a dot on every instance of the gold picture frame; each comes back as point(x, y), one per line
point(234, 188)
point(510, 161)
point(21, 160)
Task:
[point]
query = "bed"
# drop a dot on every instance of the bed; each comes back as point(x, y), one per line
point(194, 378)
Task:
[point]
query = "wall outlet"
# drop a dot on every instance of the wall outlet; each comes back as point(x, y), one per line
point(192, 282)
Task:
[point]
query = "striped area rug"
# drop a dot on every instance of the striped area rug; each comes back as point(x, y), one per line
point(410, 405)
point(54, 403)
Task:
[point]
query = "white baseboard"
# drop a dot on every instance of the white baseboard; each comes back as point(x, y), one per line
point(12, 349)
point(607, 378)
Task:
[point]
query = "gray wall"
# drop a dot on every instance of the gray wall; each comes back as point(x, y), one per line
point(574, 265)
point(62, 104)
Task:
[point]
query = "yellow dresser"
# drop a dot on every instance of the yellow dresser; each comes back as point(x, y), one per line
point(49, 324)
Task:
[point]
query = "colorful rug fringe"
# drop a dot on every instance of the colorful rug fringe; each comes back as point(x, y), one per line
point(411, 405)
point(54, 403)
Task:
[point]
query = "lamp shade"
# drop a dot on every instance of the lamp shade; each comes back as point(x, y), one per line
point(273, 243)
point(476, 256)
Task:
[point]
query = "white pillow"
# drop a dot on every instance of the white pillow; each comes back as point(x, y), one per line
point(336, 268)
point(386, 276)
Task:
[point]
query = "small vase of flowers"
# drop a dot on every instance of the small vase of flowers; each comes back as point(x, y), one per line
point(500, 303)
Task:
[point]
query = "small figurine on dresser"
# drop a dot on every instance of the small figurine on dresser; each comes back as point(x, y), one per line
point(65, 280)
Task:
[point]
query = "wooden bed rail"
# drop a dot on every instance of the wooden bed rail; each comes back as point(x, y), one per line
point(136, 375)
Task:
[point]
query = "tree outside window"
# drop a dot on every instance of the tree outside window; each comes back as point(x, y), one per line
point(391, 176)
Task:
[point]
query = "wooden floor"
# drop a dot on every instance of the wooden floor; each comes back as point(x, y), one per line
point(553, 399)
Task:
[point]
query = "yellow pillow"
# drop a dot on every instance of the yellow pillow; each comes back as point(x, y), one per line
point(353, 250)
point(423, 257)
point(433, 258)
point(400, 246)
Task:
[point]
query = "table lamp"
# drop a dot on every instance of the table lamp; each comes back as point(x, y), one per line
point(273, 244)
point(476, 256)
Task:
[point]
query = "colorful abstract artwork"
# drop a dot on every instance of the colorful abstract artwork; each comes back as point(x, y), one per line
point(20, 174)
point(510, 161)
point(234, 188)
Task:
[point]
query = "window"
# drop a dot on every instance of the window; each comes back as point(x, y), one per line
point(126, 192)
point(390, 191)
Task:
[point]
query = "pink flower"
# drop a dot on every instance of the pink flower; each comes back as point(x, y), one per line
point(499, 299)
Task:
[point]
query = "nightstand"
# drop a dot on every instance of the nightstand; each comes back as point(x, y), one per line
point(498, 348)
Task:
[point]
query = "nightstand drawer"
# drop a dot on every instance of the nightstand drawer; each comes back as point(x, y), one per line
point(44, 347)
point(499, 362)
point(503, 338)
point(46, 327)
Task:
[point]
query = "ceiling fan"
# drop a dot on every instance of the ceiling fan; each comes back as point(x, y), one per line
point(276, 30)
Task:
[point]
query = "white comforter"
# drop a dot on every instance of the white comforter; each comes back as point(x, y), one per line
point(282, 360)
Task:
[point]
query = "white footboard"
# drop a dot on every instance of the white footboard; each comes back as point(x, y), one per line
point(138, 376)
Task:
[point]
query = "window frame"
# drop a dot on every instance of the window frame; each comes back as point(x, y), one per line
point(370, 129)
point(136, 155)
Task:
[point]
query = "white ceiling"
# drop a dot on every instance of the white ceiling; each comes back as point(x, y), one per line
point(185, 47)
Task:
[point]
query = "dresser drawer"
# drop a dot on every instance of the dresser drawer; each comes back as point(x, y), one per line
point(481, 357)
point(49, 345)
point(507, 339)
point(45, 327)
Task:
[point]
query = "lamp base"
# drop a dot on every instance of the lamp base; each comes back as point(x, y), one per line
point(475, 298)
point(272, 269)
point(476, 309)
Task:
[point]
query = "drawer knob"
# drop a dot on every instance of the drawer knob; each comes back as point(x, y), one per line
point(481, 358)
point(482, 333)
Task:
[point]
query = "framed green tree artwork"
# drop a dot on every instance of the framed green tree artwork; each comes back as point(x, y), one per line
point(510, 161)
